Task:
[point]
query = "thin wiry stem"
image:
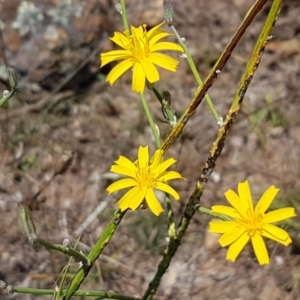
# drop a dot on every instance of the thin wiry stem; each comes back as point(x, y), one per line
point(215, 151)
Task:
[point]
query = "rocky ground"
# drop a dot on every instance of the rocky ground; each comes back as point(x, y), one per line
point(63, 103)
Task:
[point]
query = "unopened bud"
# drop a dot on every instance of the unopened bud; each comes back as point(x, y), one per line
point(168, 11)
point(13, 79)
point(167, 97)
point(64, 162)
point(25, 220)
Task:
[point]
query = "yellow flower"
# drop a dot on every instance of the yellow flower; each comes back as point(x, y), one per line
point(144, 176)
point(250, 223)
point(141, 53)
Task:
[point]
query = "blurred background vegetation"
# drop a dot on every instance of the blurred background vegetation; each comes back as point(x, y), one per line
point(63, 103)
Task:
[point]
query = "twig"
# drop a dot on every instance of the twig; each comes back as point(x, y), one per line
point(216, 150)
point(95, 253)
point(99, 294)
point(202, 90)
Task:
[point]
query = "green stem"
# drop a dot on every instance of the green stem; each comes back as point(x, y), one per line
point(219, 65)
point(209, 212)
point(64, 275)
point(150, 120)
point(195, 73)
point(156, 93)
point(95, 253)
point(99, 294)
point(171, 221)
point(13, 80)
point(7, 97)
point(61, 248)
point(166, 105)
point(124, 16)
point(216, 149)
point(28, 228)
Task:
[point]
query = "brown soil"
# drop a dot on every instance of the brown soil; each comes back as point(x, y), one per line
point(100, 123)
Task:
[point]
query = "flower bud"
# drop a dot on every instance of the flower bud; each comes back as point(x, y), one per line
point(168, 11)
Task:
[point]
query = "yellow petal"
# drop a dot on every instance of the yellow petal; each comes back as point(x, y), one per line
point(153, 202)
point(114, 55)
point(138, 32)
point(137, 198)
point(235, 248)
point(236, 202)
point(166, 164)
point(121, 184)
point(143, 157)
point(245, 194)
point(231, 236)
point(169, 175)
point(164, 61)
point(126, 163)
point(124, 201)
point(156, 159)
point(138, 79)
point(279, 215)
point(166, 46)
point(225, 210)
point(260, 249)
point(123, 171)
point(276, 234)
point(150, 70)
point(221, 226)
point(121, 40)
point(131, 199)
point(167, 189)
point(266, 199)
point(118, 71)
point(160, 34)
point(152, 32)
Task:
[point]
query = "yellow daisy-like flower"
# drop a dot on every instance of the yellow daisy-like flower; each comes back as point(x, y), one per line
point(250, 223)
point(141, 53)
point(144, 177)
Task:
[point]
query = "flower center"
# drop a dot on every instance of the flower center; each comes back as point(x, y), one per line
point(145, 178)
point(138, 45)
point(251, 222)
